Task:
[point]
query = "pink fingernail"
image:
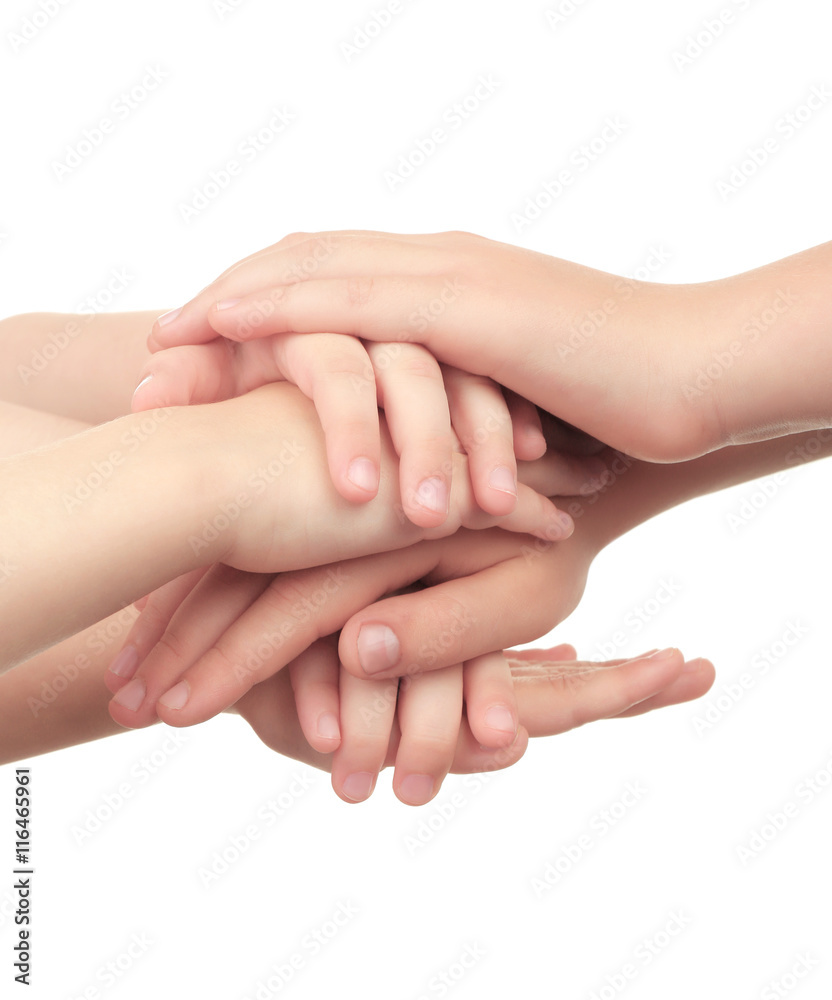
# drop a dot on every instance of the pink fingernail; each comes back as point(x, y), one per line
point(125, 664)
point(500, 720)
point(416, 789)
point(364, 474)
point(144, 381)
point(378, 648)
point(433, 495)
point(169, 317)
point(358, 786)
point(226, 304)
point(177, 697)
point(662, 656)
point(503, 480)
point(131, 695)
point(328, 728)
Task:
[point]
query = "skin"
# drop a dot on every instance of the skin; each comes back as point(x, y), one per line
point(57, 698)
point(662, 372)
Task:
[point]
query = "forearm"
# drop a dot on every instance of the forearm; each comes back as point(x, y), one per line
point(83, 366)
point(641, 490)
point(767, 348)
point(92, 522)
point(58, 698)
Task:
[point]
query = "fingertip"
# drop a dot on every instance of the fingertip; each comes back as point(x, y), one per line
point(143, 395)
point(361, 480)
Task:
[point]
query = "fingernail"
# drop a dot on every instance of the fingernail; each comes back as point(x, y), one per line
point(177, 697)
point(131, 695)
point(328, 728)
point(125, 664)
point(358, 786)
point(226, 304)
point(563, 526)
point(503, 479)
point(691, 666)
point(378, 648)
point(662, 655)
point(433, 495)
point(500, 720)
point(364, 474)
point(168, 317)
point(144, 381)
point(416, 789)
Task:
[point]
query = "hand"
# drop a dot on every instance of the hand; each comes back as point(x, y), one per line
point(554, 693)
point(281, 511)
point(605, 353)
point(347, 382)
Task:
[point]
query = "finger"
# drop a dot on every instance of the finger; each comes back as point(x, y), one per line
point(450, 622)
point(471, 757)
point(412, 393)
point(564, 651)
point(430, 712)
point(529, 442)
point(260, 637)
point(184, 375)
point(157, 611)
point(367, 712)
point(481, 421)
point(558, 474)
point(269, 708)
point(554, 698)
point(490, 703)
point(188, 324)
point(314, 676)
point(336, 374)
point(214, 603)
point(695, 680)
point(296, 258)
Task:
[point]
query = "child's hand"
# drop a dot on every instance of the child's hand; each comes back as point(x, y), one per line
point(608, 354)
point(347, 381)
point(554, 693)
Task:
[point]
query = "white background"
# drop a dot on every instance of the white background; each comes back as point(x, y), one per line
point(741, 581)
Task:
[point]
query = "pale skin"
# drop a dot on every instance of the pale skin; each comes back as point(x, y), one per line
point(661, 372)
point(75, 716)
